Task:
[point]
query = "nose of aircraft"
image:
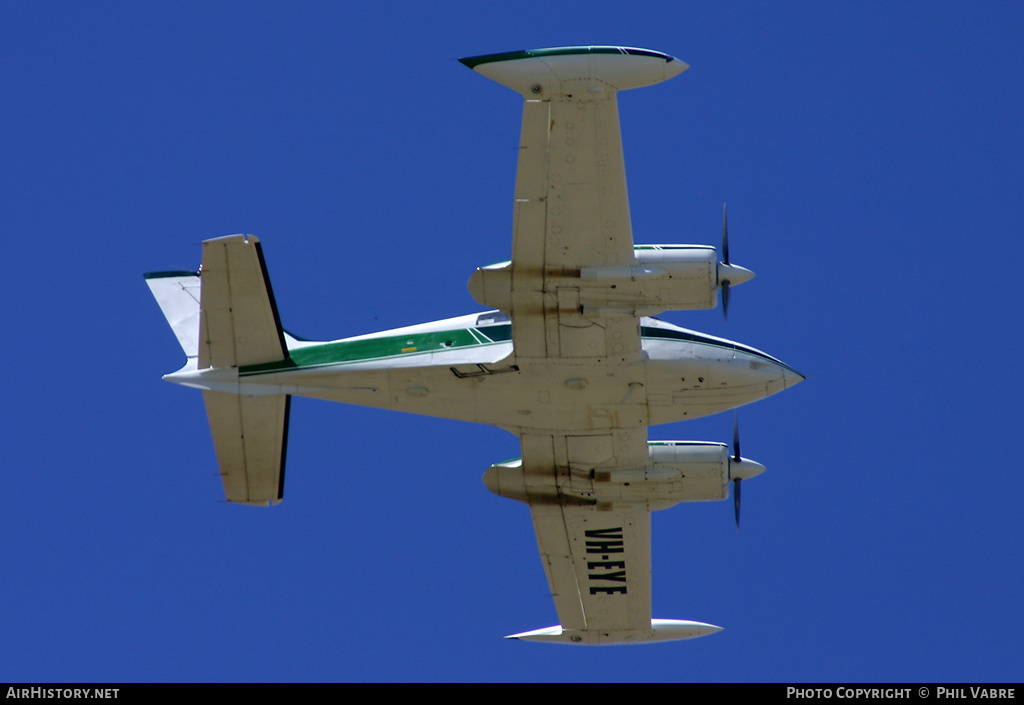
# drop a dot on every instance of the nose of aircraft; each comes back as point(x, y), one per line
point(791, 377)
point(777, 376)
point(675, 67)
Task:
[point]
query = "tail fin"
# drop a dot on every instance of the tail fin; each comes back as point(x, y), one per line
point(178, 296)
point(225, 316)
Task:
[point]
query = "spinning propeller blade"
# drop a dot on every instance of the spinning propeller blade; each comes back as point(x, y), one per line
point(729, 274)
point(725, 260)
point(736, 458)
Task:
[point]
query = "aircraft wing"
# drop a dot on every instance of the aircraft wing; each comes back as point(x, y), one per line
point(572, 244)
point(571, 206)
point(597, 558)
point(571, 202)
point(598, 564)
point(596, 552)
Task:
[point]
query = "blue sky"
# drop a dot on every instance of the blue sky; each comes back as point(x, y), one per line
point(872, 156)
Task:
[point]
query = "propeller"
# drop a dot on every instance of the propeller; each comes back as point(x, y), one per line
point(736, 484)
point(740, 469)
point(729, 274)
point(725, 283)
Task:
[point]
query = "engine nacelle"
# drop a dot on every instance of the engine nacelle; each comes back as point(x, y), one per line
point(679, 471)
point(661, 278)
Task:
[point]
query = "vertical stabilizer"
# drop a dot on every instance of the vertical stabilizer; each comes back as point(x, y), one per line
point(178, 296)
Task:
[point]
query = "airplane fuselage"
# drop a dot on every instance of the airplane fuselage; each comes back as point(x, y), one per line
point(457, 368)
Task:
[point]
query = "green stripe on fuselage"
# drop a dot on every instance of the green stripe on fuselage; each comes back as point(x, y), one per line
point(344, 351)
point(474, 61)
point(348, 351)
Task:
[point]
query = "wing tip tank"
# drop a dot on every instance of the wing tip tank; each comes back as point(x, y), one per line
point(551, 52)
point(538, 73)
point(661, 630)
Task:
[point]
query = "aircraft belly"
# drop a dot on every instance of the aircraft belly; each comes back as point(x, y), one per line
point(689, 389)
point(426, 390)
point(563, 395)
point(543, 394)
point(540, 394)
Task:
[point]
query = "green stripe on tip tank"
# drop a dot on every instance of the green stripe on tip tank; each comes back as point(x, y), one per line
point(474, 61)
point(685, 443)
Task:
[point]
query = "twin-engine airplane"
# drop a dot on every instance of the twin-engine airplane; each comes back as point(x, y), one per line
point(569, 359)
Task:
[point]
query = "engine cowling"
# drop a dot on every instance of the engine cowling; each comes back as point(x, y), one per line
point(661, 278)
point(679, 471)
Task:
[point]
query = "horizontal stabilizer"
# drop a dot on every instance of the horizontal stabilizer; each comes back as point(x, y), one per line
point(239, 324)
point(250, 435)
point(661, 630)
